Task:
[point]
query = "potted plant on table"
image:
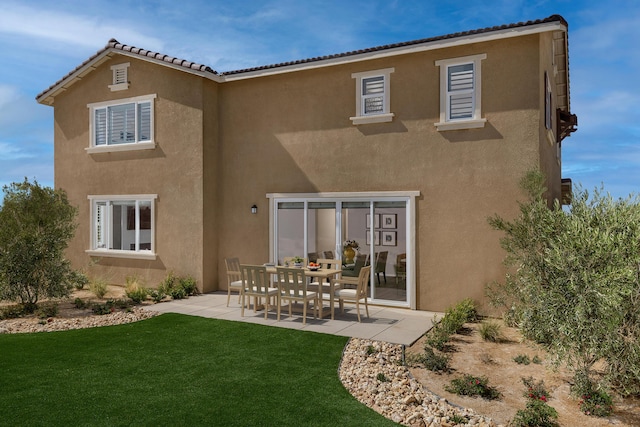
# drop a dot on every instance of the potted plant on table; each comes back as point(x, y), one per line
point(349, 250)
point(297, 261)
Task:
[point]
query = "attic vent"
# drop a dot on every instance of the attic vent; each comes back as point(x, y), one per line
point(120, 77)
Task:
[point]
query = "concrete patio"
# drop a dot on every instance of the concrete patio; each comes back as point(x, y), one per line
point(394, 325)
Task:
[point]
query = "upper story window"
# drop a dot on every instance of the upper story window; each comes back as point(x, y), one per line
point(123, 226)
point(372, 97)
point(126, 124)
point(120, 77)
point(460, 93)
point(548, 103)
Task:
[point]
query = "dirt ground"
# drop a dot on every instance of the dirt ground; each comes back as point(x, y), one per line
point(471, 355)
point(67, 309)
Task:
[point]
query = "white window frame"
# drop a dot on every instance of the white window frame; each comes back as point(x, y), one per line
point(476, 121)
point(385, 115)
point(136, 144)
point(409, 197)
point(120, 80)
point(106, 239)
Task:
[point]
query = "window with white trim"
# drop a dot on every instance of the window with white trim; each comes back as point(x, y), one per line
point(123, 226)
point(372, 97)
point(460, 93)
point(120, 79)
point(124, 124)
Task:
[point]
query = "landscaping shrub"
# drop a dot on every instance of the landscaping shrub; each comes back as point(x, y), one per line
point(455, 317)
point(597, 403)
point(99, 287)
point(157, 295)
point(49, 309)
point(522, 359)
point(434, 362)
point(13, 311)
point(469, 385)
point(491, 331)
point(536, 414)
point(110, 306)
point(535, 390)
point(78, 279)
point(594, 400)
point(36, 224)
point(437, 337)
point(189, 285)
point(452, 322)
point(382, 377)
point(135, 290)
point(575, 287)
point(79, 303)
point(177, 287)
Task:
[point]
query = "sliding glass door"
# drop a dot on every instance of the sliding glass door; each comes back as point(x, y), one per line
point(377, 227)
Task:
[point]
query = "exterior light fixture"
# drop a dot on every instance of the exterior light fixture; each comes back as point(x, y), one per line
point(254, 209)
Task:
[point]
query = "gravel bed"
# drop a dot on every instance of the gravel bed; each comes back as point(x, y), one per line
point(28, 325)
point(374, 374)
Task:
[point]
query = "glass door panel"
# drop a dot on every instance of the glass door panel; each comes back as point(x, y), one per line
point(390, 264)
point(290, 230)
point(378, 229)
point(321, 230)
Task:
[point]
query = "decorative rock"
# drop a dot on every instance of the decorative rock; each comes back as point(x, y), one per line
point(403, 399)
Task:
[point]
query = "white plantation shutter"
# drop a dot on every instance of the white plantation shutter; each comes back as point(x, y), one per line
point(122, 121)
point(101, 232)
point(373, 95)
point(144, 121)
point(100, 126)
point(460, 91)
point(128, 122)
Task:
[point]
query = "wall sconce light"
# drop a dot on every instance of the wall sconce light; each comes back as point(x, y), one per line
point(254, 209)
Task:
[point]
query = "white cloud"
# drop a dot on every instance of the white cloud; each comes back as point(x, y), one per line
point(73, 29)
point(12, 152)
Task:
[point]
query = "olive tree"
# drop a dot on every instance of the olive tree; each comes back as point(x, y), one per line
point(36, 224)
point(574, 282)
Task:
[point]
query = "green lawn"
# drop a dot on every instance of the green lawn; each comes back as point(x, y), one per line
point(177, 370)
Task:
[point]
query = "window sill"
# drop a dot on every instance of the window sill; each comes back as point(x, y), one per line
point(374, 118)
point(461, 124)
point(148, 255)
point(118, 87)
point(121, 147)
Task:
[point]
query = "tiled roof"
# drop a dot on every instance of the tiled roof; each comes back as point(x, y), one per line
point(114, 45)
point(552, 18)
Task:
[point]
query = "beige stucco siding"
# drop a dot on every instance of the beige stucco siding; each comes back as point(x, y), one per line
point(222, 147)
point(173, 170)
point(291, 133)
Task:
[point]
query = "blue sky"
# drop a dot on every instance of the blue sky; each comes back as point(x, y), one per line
point(41, 41)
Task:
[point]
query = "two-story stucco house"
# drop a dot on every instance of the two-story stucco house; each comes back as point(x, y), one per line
point(405, 148)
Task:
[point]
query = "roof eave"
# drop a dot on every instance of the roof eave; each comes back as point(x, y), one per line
point(47, 97)
point(395, 51)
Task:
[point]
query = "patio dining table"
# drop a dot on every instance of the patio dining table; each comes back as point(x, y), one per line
point(320, 274)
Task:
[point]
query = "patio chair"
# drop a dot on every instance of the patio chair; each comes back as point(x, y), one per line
point(328, 255)
point(381, 265)
point(355, 295)
point(234, 279)
point(333, 264)
point(292, 287)
point(255, 283)
point(312, 256)
point(350, 276)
